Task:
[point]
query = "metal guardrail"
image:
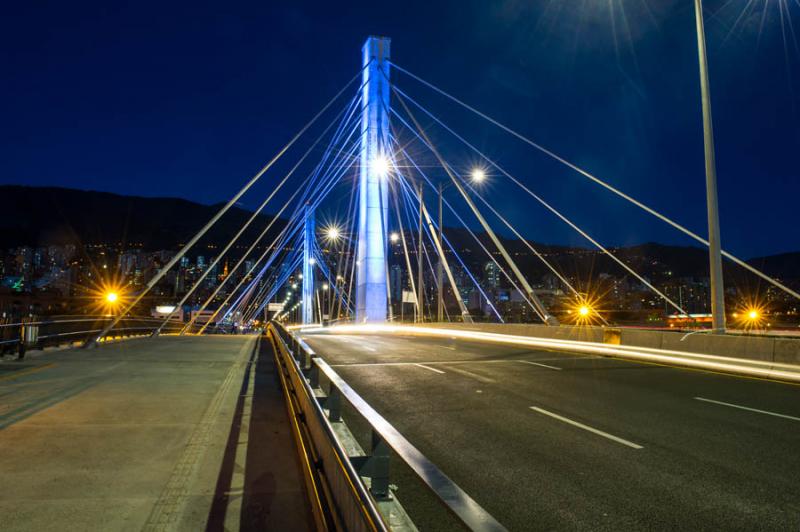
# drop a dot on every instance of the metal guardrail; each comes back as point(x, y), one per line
point(38, 334)
point(352, 504)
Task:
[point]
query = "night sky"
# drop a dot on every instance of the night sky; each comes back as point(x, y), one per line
point(189, 100)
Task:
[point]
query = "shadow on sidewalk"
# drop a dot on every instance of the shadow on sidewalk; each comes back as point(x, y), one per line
point(273, 495)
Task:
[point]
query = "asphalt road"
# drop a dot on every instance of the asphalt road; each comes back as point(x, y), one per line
point(556, 441)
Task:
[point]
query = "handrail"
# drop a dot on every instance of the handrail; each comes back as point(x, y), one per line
point(375, 520)
point(69, 333)
point(47, 332)
point(455, 499)
point(81, 320)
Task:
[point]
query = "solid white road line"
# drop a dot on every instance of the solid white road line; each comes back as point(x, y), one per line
point(430, 368)
point(586, 427)
point(538, 364)
point(748, 409)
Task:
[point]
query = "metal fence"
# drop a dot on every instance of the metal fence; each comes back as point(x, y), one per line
point(21, 335)
point(353, 489)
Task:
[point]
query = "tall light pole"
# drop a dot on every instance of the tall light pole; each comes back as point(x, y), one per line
point(420, 305)
point(439, 287)
point(714, 247)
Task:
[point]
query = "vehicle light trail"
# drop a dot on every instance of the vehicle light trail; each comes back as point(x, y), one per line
point(750, 368)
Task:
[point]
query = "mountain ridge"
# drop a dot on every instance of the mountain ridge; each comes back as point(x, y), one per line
point(40, 216)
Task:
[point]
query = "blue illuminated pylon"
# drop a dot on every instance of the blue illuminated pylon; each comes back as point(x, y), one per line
point(308, 266)
point(371, 293)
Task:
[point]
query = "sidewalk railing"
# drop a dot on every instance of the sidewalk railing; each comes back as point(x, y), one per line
point(22, 335)
point(355, 486)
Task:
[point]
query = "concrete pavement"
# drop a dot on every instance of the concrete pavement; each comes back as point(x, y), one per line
point(549, 440)
point(166, 434)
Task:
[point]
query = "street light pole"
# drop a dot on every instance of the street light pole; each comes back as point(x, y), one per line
point(439, 287)
point(714, 247)
point(420, 306)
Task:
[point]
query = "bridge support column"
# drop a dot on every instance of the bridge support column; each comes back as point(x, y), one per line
point(308, 267)
point(371, 267)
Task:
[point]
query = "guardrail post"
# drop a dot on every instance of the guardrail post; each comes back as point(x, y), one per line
point(313, 377)
point(334, 404)
point(379, 467)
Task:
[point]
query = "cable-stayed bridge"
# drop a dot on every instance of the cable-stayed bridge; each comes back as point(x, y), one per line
point(411, 402)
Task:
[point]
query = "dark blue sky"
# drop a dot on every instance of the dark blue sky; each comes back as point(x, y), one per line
point(189, 100)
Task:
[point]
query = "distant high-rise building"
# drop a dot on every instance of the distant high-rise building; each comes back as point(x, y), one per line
point(396, 282)
point(491, 275)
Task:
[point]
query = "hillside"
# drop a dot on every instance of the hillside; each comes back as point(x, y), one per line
point(40, 216)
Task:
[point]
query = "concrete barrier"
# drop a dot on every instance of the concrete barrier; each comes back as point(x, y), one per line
point(786, 351)
point(641, 338)
point(735, 346)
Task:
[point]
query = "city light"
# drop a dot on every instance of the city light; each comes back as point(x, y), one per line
point(394, 237)
point(108, 296)
point(381, 165)
point(325, 286)
point(583, 310)
point(332, 233)
point(751, 314)
point(478, 175)
point(312, 261)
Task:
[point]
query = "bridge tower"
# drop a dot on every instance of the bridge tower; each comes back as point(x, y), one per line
point(308, 266)
point(371, 267)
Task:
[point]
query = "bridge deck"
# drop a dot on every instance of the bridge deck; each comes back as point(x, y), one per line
point(148, 435)
point(551, 441)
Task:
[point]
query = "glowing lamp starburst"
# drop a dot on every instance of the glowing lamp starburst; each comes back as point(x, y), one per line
point(381, 165)
point(333, 233)
point(478, 175)
point(584, 310)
